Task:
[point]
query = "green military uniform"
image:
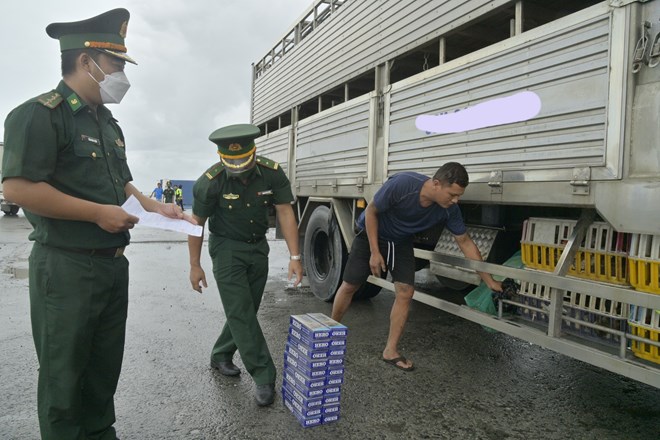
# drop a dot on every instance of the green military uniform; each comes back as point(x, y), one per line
point(168, 193)
point(237, 209)
point(78, 274)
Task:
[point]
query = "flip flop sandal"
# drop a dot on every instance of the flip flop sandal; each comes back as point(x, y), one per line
point(395, 362)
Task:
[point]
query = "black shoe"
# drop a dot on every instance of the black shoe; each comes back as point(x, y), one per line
point(226, 367)
point(265, 394)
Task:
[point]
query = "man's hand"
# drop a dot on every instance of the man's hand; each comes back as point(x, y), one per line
point(114, 219)
point(377, 264)
point(174, 211)
point(295, 267)
point(197, 278)
point(494, 285)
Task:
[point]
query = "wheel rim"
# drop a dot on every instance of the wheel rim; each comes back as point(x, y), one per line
point(322, 255)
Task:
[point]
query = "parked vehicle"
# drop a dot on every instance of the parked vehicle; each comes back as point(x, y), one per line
point(572, 183)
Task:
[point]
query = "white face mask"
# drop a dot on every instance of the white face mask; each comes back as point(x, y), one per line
point(113, 87)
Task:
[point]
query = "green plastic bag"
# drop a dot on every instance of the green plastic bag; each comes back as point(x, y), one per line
point(481, 298)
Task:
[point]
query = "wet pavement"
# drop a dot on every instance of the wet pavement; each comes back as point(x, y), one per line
point(468, 384)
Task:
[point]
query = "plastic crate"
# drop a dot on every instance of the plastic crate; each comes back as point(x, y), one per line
point(644, 263)
point(595, 310)
point(645, 323)
point(586, 308)
point(602, 255)
point(534, 295)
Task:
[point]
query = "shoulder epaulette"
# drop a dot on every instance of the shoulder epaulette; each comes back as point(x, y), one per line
point(267, 163)
point(214, 171)
point(51, 99)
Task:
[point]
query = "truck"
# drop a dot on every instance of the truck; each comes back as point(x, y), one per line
point(566, 171)
point(7, 207)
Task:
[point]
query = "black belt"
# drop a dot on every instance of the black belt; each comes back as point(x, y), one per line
point(114, 252)
point(252, 240)
point(255, 239)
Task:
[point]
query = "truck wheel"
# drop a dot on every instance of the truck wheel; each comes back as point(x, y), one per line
point(13, 210)
point(325, 253)
point(367, 291)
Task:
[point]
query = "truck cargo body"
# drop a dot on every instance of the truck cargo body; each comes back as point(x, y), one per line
point(339, 95)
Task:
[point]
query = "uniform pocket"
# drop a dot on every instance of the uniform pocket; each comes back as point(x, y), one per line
point(120, 152)
point(87, 146)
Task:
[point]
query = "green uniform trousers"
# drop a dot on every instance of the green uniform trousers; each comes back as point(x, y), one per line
point(78, 307)
point(241, 272)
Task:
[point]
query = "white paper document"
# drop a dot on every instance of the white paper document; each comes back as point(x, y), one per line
point(154, 220)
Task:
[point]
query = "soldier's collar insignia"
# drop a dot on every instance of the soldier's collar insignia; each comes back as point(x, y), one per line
point(230, 196)
point(74, 102)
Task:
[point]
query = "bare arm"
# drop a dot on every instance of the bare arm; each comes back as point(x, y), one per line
point(376, 262)
point(289, 227)
point(471, 251)
point(197, 275)
point(43, 199)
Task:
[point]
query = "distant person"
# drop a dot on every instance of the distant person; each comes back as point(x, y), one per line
point(157, 193)
point(235, 195)
point(407, 203)
point(178, 196)
point(168, 193)
point(65, 164)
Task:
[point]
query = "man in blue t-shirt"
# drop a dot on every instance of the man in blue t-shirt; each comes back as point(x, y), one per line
point(157, 193)
point(406, 204)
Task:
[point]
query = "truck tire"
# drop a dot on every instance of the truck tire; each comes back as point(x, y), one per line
point(14, 210)
point(368, 290)
point(325, 253)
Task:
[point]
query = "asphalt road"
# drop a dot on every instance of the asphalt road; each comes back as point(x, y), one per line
point(469, 384)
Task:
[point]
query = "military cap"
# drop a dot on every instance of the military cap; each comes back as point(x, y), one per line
point(236, 145)
point(105, 33)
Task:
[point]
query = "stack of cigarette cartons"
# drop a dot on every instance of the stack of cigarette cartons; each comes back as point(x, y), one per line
point(314, 368)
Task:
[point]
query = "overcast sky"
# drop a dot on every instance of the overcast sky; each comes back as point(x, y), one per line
point(193, 74)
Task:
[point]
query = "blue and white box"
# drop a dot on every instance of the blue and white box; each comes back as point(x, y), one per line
point(314, 368)
point(308, 342)
point(304, 422)
point(315, 359)
point(303, 367)
point(309, 327)
point(306, 392)
point(337, 330)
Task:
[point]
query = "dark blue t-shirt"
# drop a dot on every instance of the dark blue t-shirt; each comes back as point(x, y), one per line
point(400, 215)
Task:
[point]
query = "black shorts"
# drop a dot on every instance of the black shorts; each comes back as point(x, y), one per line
point(400, 261)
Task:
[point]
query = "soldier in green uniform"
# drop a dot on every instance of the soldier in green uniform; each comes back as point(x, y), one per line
point(168, 193)
point(235, 195)
point(65, 164)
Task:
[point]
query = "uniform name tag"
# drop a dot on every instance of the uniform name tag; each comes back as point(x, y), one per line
point(268, 192)
point(95, 141)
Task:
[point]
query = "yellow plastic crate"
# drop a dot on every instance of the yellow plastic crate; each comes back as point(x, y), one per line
point(644, 263)
point(642, 349)
point(601, 257)
point(645, 323)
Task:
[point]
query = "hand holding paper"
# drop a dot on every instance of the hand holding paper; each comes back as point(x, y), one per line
point(155, 220)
